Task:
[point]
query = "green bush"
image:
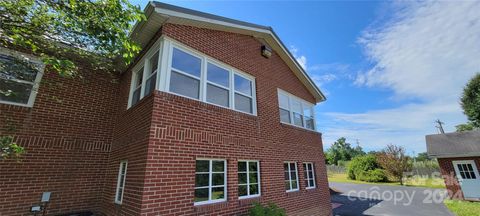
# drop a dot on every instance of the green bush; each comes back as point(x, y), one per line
point(376, 175)
point(270, 210)
point(365, 168)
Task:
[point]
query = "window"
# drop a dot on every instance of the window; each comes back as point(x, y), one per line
point(19, 78)
point(309, 175)
point(248, 179)
point(291, 176)
point(196, 76)
point(218, 85)
point(210, 181)
point(145, 75)
point(295, 111)
point(185, 74)
point(122, 172)
point(243, 94)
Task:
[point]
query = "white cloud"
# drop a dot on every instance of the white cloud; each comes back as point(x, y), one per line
point(427, 51)
point(301, 59)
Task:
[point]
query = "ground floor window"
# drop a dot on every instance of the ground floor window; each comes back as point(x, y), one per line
point(210, 181)
point(309, 175)
point(122, 173)
point(291, 176)
point(248, 179)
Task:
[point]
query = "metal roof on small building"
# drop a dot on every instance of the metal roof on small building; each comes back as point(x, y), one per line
point(457, 144)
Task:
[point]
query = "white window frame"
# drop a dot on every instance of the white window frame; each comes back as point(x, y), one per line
point(303, 105)
point(210, 174)
point(290, 175)
point(38, 78)
point(145, 63)
point(169, 44)
point(248, 179)
point(119, 178)
point(307, 176)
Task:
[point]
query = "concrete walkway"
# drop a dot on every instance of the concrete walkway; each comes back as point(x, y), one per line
point(368, 199)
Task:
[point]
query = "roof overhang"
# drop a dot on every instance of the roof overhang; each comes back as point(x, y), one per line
point(160, 13)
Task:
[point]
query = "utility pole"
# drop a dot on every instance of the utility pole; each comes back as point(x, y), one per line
point(440, 126)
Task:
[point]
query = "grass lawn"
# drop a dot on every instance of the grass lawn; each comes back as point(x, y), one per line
point(416, 182)
point(463, 208)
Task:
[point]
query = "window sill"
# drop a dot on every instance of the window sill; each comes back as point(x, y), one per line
point(244, 201)
point(298, 127)
point(210, 206)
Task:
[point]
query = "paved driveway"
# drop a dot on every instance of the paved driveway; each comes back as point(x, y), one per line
point(367, 199)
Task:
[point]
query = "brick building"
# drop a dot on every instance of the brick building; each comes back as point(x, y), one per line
point(458, 155)
point(213, 115)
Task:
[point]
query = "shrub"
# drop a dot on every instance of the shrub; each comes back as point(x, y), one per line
point(270, 210)
point(365, 168)
point(376, 175)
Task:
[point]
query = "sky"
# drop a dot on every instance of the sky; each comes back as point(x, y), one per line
point(388, 69)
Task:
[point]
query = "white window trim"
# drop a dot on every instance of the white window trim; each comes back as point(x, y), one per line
point(38, 78)
point(290, 176)
point(145, 63)
point(210, 171)
point(248, 180)
point(118, 182)
point(170, 44)
point(302, 104)
point(308, 178)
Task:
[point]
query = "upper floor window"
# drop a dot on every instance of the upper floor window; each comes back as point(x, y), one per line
point(196, 76)
point(145, 75)
point(295, 111)
point(19, 78)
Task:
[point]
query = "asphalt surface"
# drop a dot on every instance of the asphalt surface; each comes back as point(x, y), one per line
point(367, 199)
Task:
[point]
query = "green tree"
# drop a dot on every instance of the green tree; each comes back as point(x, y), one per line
point(465, 127)
point(470, 102)
point(64, 32)
point(342, 151)
point(423, 156)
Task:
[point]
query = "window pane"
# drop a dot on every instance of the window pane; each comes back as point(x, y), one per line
point(242, 166)
point(283, 101)
point(307, 110)
point(294, 184)
point(243, 85)
point(284, 115)
point(298, 119)
point(243, 103)
point(138, 78)
point(311, 183)
point(201, 194)
point(202, 166)
point(252, 166)
point(124, 168)
point(119, 194)
point(14, 91)
point(15, 68)
point(293, 175)
point(287, 176)
point(122, 179)
point(309, 123)
point(242, 178)
point(254, 189)
point(218, 193)
point(253, 178)
point(186, 62)
point(217, 95)
point(184, 85)
point(218, 179)
point(287, 185)
point(150, 85)
point(218, 166)
point(218, 75)
point(201, 180)
point(136, 96)
point(285, 167)
point(296, 106)
point(154, 63)
point(242, 190)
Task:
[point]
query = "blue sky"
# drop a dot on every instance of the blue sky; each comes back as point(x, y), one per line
point(389, 69)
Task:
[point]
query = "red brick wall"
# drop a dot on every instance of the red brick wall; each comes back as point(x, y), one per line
point(184, 129)
point(449, 176)
point(67, 136)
